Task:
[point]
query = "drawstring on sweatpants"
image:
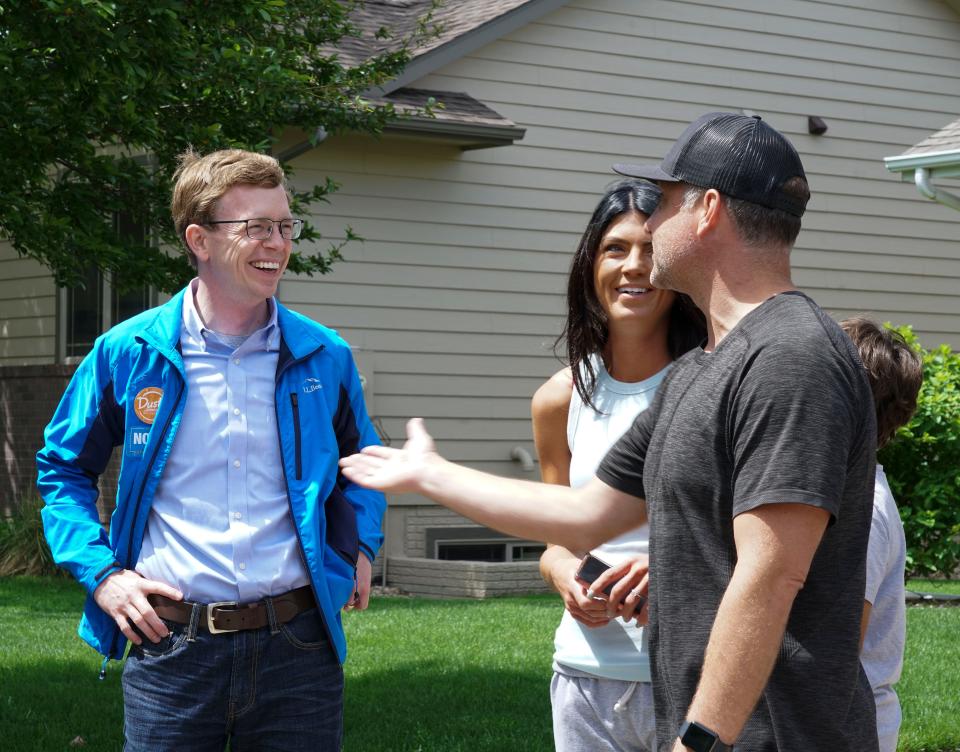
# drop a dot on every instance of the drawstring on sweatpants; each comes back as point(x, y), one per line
point(621, 704)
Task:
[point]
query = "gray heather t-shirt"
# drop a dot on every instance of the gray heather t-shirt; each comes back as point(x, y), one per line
point(780, 411)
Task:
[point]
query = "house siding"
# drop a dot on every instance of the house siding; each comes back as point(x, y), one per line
point(28, 303)
point(875, 87)
point(454, 298)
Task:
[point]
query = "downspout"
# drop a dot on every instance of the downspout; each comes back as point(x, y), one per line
point(922, 178)
point(319, 136)
point(940, 599)
point(521, 455)
point(383, 559)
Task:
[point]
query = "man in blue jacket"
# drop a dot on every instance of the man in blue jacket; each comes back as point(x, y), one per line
point(236, 541)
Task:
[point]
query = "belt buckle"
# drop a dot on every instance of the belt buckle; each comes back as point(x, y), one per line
point(219, 604)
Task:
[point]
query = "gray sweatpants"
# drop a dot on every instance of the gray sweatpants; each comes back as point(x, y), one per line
point(591, 714)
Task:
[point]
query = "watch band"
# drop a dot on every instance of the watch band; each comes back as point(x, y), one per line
point(699, 738)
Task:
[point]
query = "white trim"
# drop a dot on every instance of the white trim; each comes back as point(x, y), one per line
point(450, 52)
point(106, 301)
point(60, 311)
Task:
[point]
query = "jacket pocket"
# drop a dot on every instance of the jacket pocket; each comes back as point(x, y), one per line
point(295, 406)
point(340, 577)
point(342, 534)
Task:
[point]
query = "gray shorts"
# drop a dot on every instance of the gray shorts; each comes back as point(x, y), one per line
point(591, 714)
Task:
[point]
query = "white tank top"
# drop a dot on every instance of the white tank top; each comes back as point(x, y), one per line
point(619, 649)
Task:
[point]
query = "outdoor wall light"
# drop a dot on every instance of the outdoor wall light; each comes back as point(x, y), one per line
point(816, 125)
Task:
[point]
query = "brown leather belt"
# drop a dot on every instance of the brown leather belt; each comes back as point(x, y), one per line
point(230, 616)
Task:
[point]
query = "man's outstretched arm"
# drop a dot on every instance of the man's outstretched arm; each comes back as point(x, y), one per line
point(578, 519)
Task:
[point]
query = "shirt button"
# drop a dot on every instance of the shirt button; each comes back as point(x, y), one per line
point(237, 515)
point(236, 411)
point(236, 361)
point(242, 565)
point(236, 463)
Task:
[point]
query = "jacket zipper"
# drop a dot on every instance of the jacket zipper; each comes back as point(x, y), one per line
point(149, 469)
point(136, 508)
point(294, 403)
point(286, 483)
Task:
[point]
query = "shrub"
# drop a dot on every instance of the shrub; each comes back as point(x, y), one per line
point(923, 465)
point(23, 546)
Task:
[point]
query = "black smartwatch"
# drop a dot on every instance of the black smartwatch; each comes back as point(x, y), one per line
point(700, 738)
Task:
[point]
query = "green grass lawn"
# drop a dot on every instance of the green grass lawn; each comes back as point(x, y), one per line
point(427, 676)
point(934, 586)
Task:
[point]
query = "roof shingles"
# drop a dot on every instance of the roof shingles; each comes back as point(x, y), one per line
point(451, 20)
point(945, 140)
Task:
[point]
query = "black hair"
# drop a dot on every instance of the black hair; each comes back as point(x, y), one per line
point(585, 331)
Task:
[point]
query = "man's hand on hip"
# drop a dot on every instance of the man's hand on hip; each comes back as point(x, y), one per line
point(361, 598)
point(123, 597)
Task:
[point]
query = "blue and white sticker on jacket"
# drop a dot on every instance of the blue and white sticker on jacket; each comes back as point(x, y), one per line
point(136, 440)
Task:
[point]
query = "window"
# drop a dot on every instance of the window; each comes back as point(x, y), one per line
point(458, 551)
point(479, 544)
point(527, 551)
point(88, 311)
point(83, 315)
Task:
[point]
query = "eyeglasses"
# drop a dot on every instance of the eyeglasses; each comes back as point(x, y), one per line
point(261, 228)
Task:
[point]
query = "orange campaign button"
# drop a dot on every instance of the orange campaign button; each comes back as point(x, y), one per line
point(146, 402)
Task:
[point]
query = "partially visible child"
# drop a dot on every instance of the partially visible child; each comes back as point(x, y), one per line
point(896, 373)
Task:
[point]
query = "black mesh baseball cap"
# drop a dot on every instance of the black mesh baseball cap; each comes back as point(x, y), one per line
point(739, 155)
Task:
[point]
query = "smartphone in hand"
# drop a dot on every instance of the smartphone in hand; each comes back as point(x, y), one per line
point(590, 568)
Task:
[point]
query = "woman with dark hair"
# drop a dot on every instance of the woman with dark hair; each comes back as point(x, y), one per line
point(621, 336)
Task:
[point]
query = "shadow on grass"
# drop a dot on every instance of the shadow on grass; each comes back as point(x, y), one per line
point(42, 595)
point(426, 707)
point(45, 705)
point(423, 708)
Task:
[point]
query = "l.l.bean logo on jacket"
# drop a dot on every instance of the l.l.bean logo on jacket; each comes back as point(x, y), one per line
point(146, 402)
point(310, 384)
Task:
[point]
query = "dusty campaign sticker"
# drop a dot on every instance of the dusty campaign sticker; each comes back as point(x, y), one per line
point(146, 402)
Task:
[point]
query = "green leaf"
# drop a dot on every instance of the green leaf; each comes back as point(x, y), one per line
point(923, 464)
point(99, 98)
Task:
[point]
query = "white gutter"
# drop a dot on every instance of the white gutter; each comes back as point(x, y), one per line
point(925, 167)
point(923, 181)
point(935, 160)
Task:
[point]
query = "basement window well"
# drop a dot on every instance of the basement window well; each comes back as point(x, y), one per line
point(479, 544)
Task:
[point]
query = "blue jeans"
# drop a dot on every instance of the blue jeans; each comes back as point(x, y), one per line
point(275, 689)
